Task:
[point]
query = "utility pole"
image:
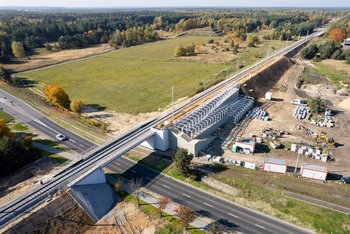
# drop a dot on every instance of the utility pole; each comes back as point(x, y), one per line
point(287, 42)
point(268, 52)
point(296, 165)
point(172, 100)
point(307, 33)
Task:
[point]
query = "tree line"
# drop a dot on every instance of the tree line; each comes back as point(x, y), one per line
point(69, 30)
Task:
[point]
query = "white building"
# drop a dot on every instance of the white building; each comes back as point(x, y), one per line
point(275, 165)
point(346, 42)
point(313, 172)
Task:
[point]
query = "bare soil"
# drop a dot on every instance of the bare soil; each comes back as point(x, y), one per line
point(64, 215)
point(281, 113)
point(46, 59)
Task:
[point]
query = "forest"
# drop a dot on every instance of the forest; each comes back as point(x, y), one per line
point(22, 31)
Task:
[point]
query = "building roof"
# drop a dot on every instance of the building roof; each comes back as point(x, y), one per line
point(315, 167)
point(276, 161)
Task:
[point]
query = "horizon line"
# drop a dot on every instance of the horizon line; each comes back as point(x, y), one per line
point(172, 7)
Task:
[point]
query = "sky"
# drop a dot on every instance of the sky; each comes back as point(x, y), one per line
point(177, 3)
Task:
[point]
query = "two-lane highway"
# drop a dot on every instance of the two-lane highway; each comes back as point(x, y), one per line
point(28, 115)
point(235, 216)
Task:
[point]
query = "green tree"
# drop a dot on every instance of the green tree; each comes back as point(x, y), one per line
point(57, 96)
point(316, 105)
point(18, 49)
point(4, 74)
point(309, 52)
point(182, 161)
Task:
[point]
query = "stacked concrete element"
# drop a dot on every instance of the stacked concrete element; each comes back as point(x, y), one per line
point(216, 111)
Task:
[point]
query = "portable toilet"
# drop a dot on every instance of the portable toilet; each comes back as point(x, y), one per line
point(234, 149)
point(268, 96)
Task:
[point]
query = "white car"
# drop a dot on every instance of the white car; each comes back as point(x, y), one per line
point(298, 102)
point(60, 137)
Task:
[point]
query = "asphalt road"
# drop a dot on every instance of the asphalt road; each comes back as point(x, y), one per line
point(28, 115)
point(232, 215)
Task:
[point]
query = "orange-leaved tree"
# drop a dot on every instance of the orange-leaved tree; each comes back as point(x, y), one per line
point(5, 130)
point(337, 35)
point(57, 96)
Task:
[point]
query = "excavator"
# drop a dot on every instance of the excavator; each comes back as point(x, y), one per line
point(322, 137)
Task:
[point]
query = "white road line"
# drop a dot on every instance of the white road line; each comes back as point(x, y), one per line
point(147, 178)
point(81, 145)
point(186, 195)
point(118, 164)
point(166, 186)
point(232, 215)
point(72, 140)
point(259, 226)
point(208, 204)
point(132, 171)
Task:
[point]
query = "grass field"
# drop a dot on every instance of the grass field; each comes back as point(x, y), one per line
point(6, 117)
point(139, 79)
point(336, 72)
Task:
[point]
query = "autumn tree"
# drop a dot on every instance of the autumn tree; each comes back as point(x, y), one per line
point(5, 130)
point(163, 202)
point(186, 215)
point(180, 51)
point(337, 35)
point(182, 161)
point(18, 49)
point(76, 106)
point(27, 142)
point(57, 96)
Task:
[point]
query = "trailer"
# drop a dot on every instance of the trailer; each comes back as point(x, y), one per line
point(313, 172)
point(275, 165)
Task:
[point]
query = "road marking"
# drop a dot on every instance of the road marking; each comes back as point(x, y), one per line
point(186, 195)
point(208, 204)
point(259, 226)
point(73, 140)
point(118, 164)
point(81, 145)
point(232, 215)
point(147, 178)
point(166, 186)
point(132, 171)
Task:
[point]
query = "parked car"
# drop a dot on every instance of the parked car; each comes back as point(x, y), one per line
point(345, 180)
point(60, 137)
point(298, 102)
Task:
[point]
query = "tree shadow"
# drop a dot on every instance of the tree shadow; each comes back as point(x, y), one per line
point(91, 108)
point(23, 82)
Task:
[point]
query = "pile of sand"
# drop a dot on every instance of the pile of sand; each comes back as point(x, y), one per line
point(345, 104)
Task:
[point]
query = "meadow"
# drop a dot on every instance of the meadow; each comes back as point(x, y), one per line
point(139, 79)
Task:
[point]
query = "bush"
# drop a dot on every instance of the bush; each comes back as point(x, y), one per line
point(180, 51)
point(336, 55)
point(211, 41)
point(309, 52)
point(76, 106)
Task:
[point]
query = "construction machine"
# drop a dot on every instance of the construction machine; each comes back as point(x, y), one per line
point(322, 137)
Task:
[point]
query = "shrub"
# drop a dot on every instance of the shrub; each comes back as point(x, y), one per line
point(76, 106)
